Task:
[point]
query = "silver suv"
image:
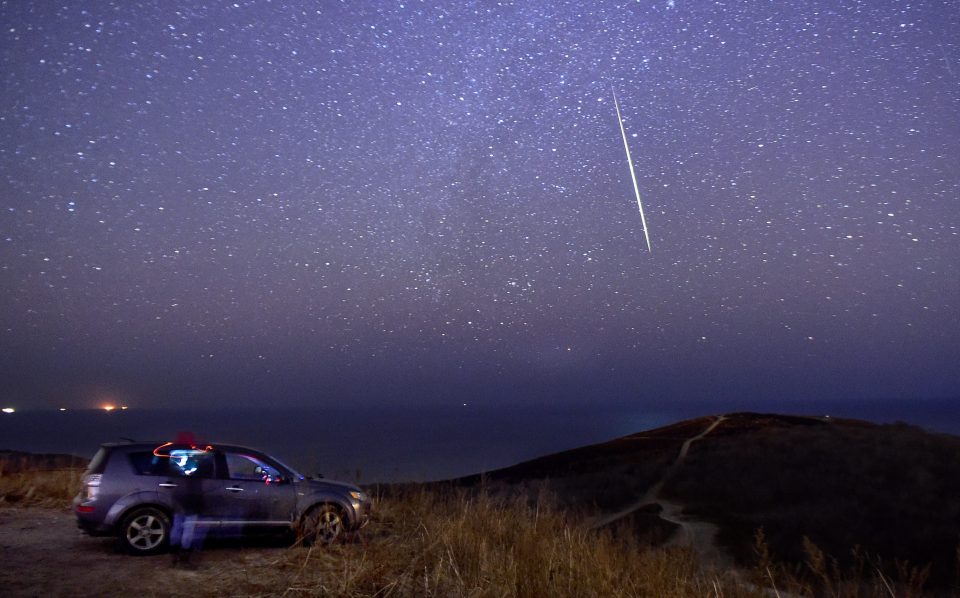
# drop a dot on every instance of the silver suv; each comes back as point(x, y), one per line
point(137, 491)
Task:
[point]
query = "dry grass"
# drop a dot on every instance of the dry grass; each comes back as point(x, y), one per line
point(823, 575)
point(435, 543)
point(430, 541)
point(43, 488)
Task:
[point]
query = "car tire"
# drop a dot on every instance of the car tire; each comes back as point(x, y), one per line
point(144, 531)
point(323, 524)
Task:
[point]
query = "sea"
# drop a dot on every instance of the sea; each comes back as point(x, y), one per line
point(424, 443)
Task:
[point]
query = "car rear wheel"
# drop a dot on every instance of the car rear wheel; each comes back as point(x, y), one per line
point(323, 524)
point(145, 531)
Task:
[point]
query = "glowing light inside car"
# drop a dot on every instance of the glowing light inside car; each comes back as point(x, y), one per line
point(185, 461)
point(157, 452)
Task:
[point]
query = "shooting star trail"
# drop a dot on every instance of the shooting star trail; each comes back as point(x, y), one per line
point(633, 175)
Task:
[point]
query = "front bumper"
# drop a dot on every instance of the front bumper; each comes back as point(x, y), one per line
point(361, 510)
point(363, 514)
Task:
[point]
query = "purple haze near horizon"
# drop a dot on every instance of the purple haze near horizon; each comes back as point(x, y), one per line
point(407, 203)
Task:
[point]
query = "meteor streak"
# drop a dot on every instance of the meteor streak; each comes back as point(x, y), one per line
point(633, 175)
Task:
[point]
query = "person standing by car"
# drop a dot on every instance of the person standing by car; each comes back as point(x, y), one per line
point(191, 466)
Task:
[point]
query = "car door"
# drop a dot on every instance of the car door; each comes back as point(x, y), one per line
point(187, 479)
point(255, 492)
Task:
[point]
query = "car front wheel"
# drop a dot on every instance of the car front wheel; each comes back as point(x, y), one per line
point(322, 525)
point(145, 531)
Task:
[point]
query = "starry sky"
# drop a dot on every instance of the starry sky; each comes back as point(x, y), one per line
point(429, 203)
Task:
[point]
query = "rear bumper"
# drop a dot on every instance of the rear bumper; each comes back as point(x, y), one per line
point(92, 528)
point(90, 522)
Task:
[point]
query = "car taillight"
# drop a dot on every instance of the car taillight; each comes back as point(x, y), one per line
point(84, 509)
point(91, 486)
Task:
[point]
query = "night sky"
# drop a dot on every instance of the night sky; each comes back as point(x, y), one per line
point(399, 203)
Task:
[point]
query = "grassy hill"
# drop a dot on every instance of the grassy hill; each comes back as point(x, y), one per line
point(846, 508)
point(862, 494)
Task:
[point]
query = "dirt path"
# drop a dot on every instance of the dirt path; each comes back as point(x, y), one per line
point(700, 535)
point(44, 554)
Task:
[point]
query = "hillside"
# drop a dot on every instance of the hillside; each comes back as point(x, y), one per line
point(859, 492)
point(577, 523)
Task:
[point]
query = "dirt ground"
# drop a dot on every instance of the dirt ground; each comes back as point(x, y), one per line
point(42, 553)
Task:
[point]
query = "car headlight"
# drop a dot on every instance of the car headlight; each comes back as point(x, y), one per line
point(356, 495)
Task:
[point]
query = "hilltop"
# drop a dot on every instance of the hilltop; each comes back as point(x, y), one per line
point(855, 491)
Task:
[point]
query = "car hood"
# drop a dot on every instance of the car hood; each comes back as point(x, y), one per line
point(329, 485)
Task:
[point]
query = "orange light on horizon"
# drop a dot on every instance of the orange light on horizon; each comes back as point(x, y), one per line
point(109, 407)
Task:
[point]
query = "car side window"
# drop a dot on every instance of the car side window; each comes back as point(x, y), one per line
point(247, 467)
point(191, 463)
point(146, 463)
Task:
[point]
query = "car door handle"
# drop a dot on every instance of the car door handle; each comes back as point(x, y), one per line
point(166, 485)
point(234, 489)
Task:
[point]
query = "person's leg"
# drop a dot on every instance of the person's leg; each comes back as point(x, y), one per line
point(176, 537)
point(189, 532)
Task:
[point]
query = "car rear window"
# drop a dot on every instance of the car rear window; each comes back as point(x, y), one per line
point(99, 462)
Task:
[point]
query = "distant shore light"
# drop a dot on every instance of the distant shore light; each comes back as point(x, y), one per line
point(8, 409)
point(109, 407)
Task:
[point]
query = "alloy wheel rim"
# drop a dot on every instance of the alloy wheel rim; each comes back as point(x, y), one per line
point(145, 532)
